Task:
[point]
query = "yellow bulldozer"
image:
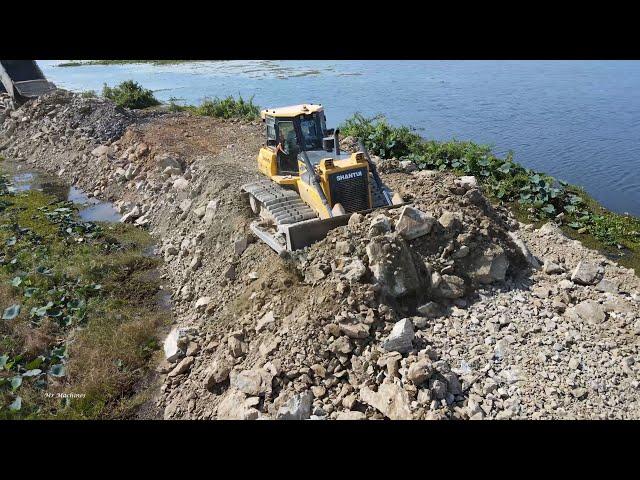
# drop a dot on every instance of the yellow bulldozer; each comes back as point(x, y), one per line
point(311, 187)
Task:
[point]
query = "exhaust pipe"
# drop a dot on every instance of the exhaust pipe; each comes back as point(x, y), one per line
point(336, 143)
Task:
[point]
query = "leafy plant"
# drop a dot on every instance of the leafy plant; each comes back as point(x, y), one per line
point(130, 94)
point(228, 107)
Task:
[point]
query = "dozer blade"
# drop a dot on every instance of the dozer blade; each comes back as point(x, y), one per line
point(295, 236)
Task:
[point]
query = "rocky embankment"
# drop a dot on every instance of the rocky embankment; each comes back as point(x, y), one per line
point(446, 308)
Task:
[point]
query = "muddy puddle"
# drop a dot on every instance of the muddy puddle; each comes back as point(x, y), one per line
point(91, 209)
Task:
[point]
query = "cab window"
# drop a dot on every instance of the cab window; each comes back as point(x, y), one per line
point(287, 136)
point(311, 135)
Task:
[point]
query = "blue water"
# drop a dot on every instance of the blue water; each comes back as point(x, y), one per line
point(576, 120)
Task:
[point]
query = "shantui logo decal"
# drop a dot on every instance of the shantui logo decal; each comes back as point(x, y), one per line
point(347, 176)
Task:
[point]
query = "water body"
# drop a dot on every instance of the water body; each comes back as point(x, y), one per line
point(24, 178)
point(576, 120)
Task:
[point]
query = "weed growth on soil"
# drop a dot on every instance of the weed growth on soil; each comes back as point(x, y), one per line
point(228, 107)
point(79, 320)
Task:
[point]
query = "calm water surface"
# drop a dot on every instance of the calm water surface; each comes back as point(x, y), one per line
point(576, 120)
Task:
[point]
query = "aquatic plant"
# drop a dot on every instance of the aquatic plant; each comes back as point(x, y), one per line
point(130, 94)
point(534, 196)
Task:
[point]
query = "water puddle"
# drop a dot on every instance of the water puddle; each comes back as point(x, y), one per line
point(90, 209)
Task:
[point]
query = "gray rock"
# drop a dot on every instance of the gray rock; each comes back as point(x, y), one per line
point(234, 407)
point(551, 268)
point(607, 286)
point(391, 400)
point(175, 344)
point(217, 373)
point(589, 311)
point(341, 345)
point(297, 408)
point(586, 273)
point(420, 371)
point(182, 367)
point(451, 221)
point(401, 337)
point(524, 250)
point(379, 225)
point(351, 415)
point(354, 271)
point(489, 267)
point(414, 223)
point(252, 382)
point(392, 265)
point(355, 330)
point(450, 286)
point(267, 319)
point(430, 309)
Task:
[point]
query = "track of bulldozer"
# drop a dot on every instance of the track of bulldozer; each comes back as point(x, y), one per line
point(282, 205)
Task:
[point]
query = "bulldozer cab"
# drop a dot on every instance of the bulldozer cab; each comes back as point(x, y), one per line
point(292, 130)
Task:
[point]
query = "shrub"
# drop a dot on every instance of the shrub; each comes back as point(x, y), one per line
point(130, 94)
point(379, 137)
point(227, 107)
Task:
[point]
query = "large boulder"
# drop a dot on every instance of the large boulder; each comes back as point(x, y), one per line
point(391, 400)
point(587, 273)
point(449, 286)
point(392, 265)
point(414, 223)
point(297, 408)
point(589, 311)
point(488, 267)
point(252, 382)
point(235, 406)
point(401, 337)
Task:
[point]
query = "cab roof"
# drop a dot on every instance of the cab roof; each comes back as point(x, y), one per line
point(291, 111)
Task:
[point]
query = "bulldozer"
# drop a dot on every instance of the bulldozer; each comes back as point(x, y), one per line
point(311, 187)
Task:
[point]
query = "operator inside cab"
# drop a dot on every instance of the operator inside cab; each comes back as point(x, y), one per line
point(288, 145)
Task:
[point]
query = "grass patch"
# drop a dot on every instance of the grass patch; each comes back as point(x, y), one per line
point(89, 94)
point(82, 63)
point(79, 320)
point(130, 94)
point(533, 196)
point(228, 107)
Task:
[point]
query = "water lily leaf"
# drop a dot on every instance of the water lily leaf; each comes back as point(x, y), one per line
point(30, 291)
point(32, 373)
point(549, 209)
point(16, 404)
point(16, 382)
point(3, 361)
point(16, 281)
point(57, 370)
point(43, 270)
point(12, 312)
point(575, 225)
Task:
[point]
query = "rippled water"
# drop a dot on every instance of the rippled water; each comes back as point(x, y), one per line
point(576, 120)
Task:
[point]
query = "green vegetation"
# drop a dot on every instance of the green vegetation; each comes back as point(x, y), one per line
point(534, 196)
point(79, 317)
point(130, 94)
point(89, 94)
point(82, 63)
point(227, 107)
